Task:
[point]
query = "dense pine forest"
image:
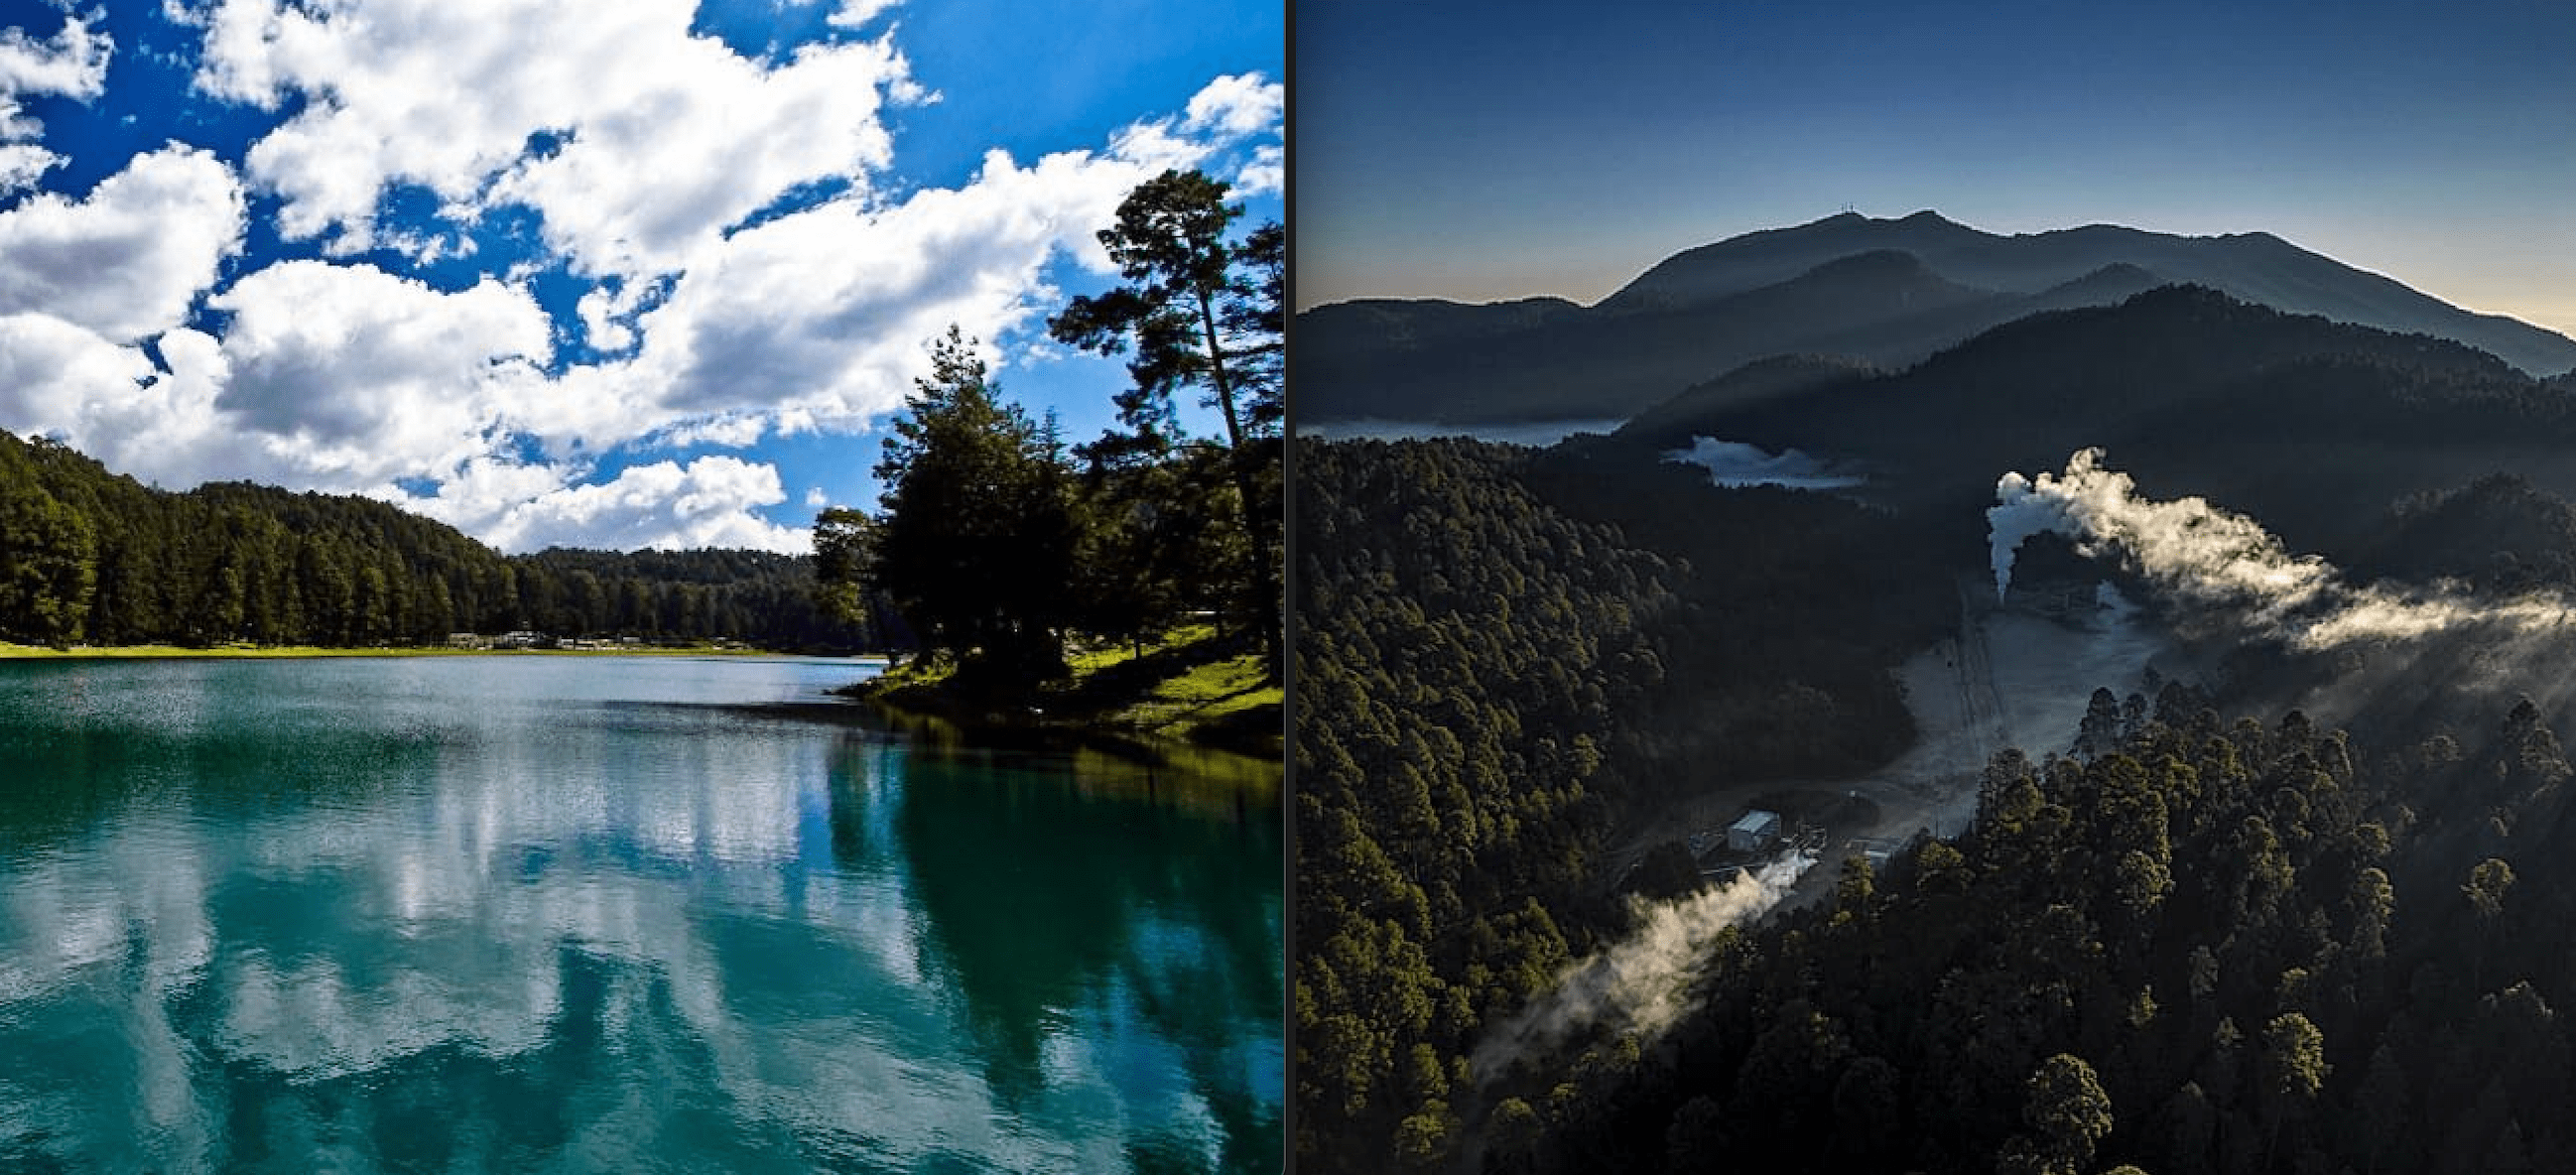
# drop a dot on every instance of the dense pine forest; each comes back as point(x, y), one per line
point(1491, 668)
point(2216, 936)
point(2223, 945)
point(98, 558)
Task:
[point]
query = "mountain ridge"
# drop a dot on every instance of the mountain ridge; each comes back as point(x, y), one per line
point(2295, 417)
point(1710, 309)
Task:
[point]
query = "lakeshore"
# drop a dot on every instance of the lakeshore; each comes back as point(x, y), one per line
point(1192, 689)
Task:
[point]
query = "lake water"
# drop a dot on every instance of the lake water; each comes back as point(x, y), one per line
point(611, 914)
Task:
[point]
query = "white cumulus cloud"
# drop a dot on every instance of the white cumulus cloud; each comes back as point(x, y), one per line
point(748, 271)
point(854, 13)
point(1265, 174)
point(665, 505)
point(71, 63)
point(1237, 106)
point(51, 369)
point(356, 376)
point(129, 261)
point(818, 316)
point(22, 164)
point(658, 139)
point(822, 314)
point(111, 402)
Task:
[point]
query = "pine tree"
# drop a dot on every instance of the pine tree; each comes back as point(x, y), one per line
point(975, 537)
point(1198, 311)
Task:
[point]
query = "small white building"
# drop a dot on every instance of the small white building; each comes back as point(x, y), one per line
point(1754, 831)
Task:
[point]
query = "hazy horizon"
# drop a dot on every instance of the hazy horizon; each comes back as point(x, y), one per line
point(1556, 155)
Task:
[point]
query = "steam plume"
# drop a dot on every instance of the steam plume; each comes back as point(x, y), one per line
point(2207, 557)
point(1639, 984)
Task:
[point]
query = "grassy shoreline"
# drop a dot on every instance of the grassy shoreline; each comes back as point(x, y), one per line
point(1190, 689)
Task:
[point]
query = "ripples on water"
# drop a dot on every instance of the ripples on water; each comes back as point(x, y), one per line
point(593, 914)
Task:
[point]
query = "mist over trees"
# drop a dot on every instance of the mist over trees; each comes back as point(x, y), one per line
point(2218, 937)
point(88, 556)
point(2217, 946)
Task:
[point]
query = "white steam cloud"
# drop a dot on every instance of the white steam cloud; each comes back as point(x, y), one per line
point(2210, 558)
point(1639, 984)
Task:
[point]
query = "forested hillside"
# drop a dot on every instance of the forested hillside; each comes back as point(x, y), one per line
point(2220, 938)
point(2222, 946)
point(94, 557)
point(2313, 426)
point(1492, 668)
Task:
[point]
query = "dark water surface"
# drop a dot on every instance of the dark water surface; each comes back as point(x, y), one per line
point(610, 914)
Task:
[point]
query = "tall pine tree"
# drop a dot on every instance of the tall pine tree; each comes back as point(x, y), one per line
point(1202, 310)
point(975, 537)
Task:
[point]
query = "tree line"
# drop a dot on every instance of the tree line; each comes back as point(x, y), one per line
point(92, 557)
point(995, 542)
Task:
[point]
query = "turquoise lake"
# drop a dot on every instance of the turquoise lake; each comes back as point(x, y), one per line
point(613, 914)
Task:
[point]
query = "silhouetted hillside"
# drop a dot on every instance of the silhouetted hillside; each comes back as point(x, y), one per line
point(2256, 267)
point(1880, 306)
point(2499, 533)
point(1671, 423)
point(2312, 425)
point(1889, 292)
point(2110, 284)
point(1758, 259)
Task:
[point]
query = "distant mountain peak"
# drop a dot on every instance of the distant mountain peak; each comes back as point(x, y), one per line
point(1891, 291)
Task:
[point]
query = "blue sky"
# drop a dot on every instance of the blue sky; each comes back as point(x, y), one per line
point(557, 272)
point(1494, 150)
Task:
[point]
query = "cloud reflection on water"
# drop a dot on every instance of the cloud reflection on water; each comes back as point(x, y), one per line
point(600, 929)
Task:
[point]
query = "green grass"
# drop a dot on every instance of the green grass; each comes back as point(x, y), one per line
point(1088, 661)
point(1210, 693)
point(1190, 686)
point(913, 674)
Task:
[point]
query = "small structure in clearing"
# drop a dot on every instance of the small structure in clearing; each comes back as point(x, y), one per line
point(1753, 832)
